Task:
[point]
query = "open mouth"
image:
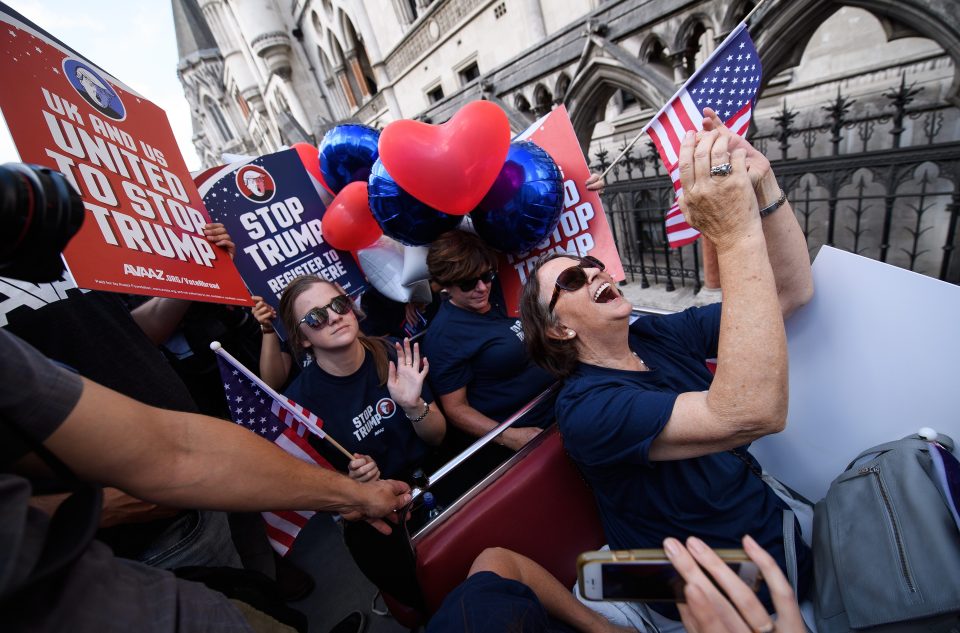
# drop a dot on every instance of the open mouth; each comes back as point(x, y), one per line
point(605, 293)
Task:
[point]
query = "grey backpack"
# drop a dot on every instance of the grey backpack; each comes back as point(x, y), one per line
point(886, 544)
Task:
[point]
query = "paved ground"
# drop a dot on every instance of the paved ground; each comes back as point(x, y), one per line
point(341, 588)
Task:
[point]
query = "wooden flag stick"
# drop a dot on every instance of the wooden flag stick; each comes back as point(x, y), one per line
point(645, 127)
point(337, 446)
point(218, 349)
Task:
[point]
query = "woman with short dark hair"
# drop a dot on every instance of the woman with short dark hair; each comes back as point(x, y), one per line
point(479, 367)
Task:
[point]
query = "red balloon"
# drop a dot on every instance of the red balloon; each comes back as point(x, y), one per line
point(451, 166)
point(310, 157)
point(348, 224)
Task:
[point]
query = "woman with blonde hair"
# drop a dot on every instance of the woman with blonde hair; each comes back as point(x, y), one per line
point(372, 399)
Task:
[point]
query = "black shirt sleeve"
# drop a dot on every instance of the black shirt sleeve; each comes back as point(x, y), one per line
point(35, 394)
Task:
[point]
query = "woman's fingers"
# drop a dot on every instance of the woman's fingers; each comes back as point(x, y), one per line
point(702, 156)
point(688, 176)
point(738, 158)
point(714, 610)
point(683, 562)
point(784, 598)
point(742, 596)
point(401, 354)
point(720, 153)
point(363, 468)
point(392, 373)
point(698, 606)
point(416, 355)
point(690, 622)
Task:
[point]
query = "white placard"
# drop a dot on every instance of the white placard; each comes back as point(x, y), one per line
point(873, 358)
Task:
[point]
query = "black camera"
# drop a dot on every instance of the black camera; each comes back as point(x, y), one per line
point(39, 213)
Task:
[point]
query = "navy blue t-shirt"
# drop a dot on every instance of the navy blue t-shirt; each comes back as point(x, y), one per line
point(485, 353)
point(609, 418)
point(360, 414)
point(487, 603)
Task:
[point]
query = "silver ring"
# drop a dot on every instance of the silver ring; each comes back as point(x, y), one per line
point(724, 169)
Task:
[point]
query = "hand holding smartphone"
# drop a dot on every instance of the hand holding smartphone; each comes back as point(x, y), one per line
point(647, 575)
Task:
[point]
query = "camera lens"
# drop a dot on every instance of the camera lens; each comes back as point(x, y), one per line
point(39, 213)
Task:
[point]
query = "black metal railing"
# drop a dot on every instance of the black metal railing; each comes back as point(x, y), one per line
point(884, 184)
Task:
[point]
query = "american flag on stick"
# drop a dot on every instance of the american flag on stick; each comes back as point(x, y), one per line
point(259, 408)
point(727, 82)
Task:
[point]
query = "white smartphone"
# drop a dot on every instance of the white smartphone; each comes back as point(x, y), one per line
point(646, 575)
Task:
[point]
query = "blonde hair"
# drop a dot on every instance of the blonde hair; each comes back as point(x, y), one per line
point(376, 346)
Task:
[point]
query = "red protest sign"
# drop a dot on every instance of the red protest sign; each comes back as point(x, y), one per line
point(142, 233)
point(583, 228)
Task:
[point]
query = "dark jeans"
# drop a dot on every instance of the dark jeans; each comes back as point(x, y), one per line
point(387, 561)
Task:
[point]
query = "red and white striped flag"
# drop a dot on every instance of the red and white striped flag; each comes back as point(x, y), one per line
point(728, 83)
point(282, 421)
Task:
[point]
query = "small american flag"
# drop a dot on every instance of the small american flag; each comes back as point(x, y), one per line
point(252, 406)
point(728, 83)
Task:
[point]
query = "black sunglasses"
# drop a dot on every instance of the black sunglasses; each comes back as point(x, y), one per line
point(467, 285)
point(317, 317)
point(574, 278)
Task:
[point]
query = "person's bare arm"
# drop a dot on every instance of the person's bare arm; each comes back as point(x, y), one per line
point(189, 460)
point(405, 384)
point(118, 507)
point(470, 421)
point(786, 245)
point(748, 396)
point(160, 316)
point(274, 362)
point(555, 598)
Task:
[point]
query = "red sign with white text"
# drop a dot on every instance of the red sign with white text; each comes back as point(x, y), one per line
point(142, 233)
point(583, 228)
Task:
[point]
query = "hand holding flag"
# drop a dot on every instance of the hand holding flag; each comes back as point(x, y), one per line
point(727, 84)
point(259, 408)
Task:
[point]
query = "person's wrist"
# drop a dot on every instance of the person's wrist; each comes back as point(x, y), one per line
point(747, 236)
point(363, 497)
point(266, 329)
point(768, 190)
point(417, 411)
point(773, 206)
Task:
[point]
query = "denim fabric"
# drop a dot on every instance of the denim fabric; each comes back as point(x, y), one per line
point(196, 538)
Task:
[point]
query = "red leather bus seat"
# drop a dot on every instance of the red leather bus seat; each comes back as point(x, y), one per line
point(540, 507)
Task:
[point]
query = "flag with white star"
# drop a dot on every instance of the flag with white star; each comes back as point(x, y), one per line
point(253, 408)
point(728, 83)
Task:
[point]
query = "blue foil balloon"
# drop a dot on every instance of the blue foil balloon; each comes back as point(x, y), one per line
point(347, 153)
point(523, 206)
point(400, 215)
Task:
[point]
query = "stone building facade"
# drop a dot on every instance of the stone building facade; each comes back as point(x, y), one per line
point(262, 73)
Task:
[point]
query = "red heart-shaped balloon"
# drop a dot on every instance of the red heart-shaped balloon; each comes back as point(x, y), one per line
point(348, 224)
point(451, 166)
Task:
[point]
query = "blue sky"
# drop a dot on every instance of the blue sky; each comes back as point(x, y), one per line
point(133, 41)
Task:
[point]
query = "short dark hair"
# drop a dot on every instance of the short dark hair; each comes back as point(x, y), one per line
point(557, 356)
point(457, 255)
